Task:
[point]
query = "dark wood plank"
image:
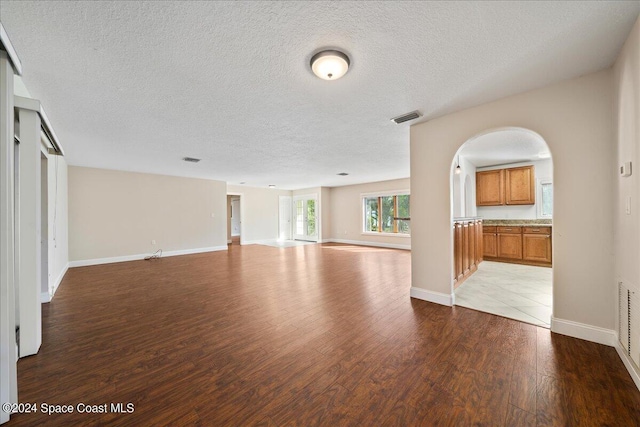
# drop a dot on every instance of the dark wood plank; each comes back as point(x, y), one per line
point(312, 335)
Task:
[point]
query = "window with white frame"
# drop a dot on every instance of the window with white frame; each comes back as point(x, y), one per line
point(545, 198)
point(386, 213)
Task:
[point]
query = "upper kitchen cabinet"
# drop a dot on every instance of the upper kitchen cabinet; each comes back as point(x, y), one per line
point(490, 188)
point(520, 186)
point(513, 186)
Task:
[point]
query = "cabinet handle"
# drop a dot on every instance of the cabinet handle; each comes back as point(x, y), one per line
point(535, 230)
point(507, 229)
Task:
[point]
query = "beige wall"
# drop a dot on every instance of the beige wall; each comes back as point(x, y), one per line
point(325, 213)
point(117, 214)
point(627, 136)
point(258, 211)
point(575, 119)
point(346, 212)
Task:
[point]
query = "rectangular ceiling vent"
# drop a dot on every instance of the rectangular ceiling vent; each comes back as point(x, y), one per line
point(191, 159)
point(406, 117)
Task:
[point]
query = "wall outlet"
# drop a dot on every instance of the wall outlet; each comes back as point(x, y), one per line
point(153, 242)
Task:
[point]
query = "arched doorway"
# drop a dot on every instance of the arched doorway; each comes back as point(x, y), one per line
point(502, 212)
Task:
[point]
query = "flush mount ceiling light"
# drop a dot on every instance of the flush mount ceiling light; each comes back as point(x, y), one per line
point(330, 64)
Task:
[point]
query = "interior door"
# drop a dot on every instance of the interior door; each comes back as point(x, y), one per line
point(235, 217)
point(305, 213)
point(284, 229)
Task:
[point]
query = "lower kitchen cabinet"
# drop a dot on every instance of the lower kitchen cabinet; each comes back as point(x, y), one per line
point(536, 244)
point(521, 245)
point(489, 241)
point(510, 242)
point(467, 248)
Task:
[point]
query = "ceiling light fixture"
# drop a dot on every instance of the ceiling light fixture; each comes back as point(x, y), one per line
point(343, 174)
point(272, 186)
point(330, 64)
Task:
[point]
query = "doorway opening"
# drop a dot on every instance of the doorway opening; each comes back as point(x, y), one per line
point(234, 219)
point(502, 222)
point(284, 218)
point(305, 218)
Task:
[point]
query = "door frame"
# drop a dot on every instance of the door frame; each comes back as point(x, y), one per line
point(311, 196)
point(280, 212)
point(242, 216)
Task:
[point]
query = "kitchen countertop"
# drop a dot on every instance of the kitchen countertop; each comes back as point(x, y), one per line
point(518, 222)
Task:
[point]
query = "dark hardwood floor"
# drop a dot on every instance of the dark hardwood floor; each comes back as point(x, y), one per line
point(310, 335)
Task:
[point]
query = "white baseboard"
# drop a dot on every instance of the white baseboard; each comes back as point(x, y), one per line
point(431, 296)
point(48, 296)
point(368, 243)
point(584, 331)
point(45, 297)
point(98, 261)
point(631, 368)
point(59, 280)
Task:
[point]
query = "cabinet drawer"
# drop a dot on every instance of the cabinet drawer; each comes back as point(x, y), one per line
point(489, 229)
point(509, 230)
point(537, 230)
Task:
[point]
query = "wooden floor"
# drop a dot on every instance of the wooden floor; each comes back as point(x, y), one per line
point(311, 335)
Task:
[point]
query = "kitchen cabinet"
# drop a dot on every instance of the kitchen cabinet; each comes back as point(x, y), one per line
point(490, 188)
point(467, 248)
point(489, 241)
point(536, 244)
point(520, 186)
point(510, 242)
point(512, 186)
point(516, 244)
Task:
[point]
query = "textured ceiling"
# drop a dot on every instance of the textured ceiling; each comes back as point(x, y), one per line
point(139, 85)
point(505, 146)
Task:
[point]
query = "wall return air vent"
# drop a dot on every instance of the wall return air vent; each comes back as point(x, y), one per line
point(406, 117)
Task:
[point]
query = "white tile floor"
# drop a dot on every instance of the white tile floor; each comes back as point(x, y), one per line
point(520, 292)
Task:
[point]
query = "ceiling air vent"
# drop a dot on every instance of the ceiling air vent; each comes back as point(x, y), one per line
point(191, 159)
point(406, 117)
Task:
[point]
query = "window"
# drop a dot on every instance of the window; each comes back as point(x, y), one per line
point(545, 197)
point(387, 213)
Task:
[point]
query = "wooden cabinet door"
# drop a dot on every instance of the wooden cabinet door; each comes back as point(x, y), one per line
point(472, 245)
point(457, 252)
point(478, 242)
point(489, 245)
point(490, 188)
point(465, 249)
point(520, 186)
point(510, 246)
point(536, 247)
